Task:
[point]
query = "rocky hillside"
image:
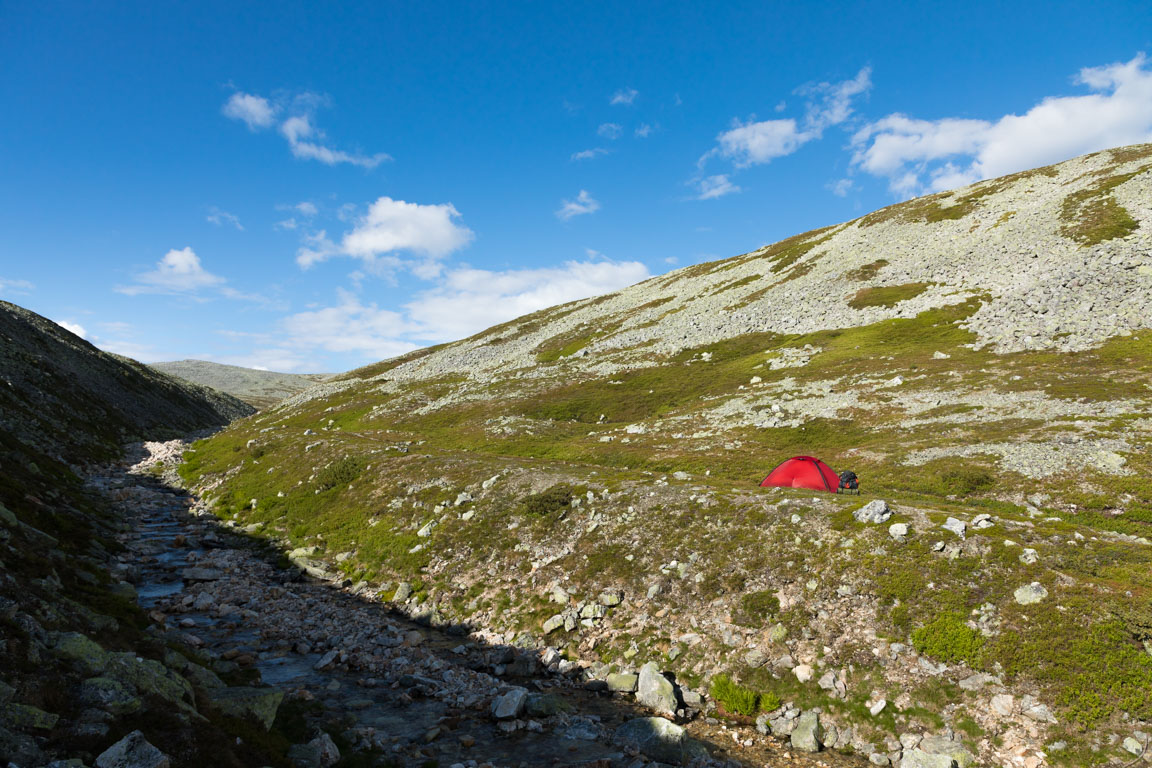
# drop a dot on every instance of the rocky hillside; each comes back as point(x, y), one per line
point(67, 398)
point(257, 388)
point(584, 479)
point(79, 667)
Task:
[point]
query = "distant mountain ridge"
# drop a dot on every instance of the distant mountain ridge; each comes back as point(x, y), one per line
point(256, 387)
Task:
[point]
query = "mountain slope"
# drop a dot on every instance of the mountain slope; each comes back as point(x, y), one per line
point(257, 388)
point(67, 610)
point(981, 358)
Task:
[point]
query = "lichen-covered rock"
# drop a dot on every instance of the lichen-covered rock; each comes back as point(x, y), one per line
point(660, 740)
point(621, 681)
point(918, 758)
point(954, 750)
point(808, 734)
point(654, 690)
point(82, 651)
point(876, 511)
point(132, 751)
point(259, 704)
point(109, 695)
point(1030, 594)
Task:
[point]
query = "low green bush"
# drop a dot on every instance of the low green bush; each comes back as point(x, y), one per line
point(756, 608)
point(735, 698)
point(948, 638)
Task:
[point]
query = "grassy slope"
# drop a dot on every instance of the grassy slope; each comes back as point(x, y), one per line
point(354, 490)
point(259, 389)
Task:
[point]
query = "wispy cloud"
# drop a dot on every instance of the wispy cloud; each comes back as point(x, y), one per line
point(305, 210)
point(643, 131)
point(15, 287)
point(917, 155)
point(715, 186)
point(756, 142)
point(584, 203)
point(295, 119)
point(588, 154)
point(610, 131)
point(625, 96)
point(840, 187)
point(220, 218)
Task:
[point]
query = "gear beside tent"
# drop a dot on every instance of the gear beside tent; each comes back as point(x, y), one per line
point(803, 472)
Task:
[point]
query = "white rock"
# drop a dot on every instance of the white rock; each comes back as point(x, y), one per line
point(803, 672)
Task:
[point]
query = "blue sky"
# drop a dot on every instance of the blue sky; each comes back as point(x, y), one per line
point(315, 186)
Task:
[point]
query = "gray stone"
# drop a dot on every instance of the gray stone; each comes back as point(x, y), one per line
point(403, 592)
point(1038, 712)
point(622, 682)
point(755, 658)
point(655, 691)
point(982, 521)
point(27, 717)
point(660, 740)
point(979, 680)
point(918, 758)
point(879, 758)
point(109, 695)
point(956, 526)
point(876, 511)
point(246, 702)
point(898, 531)
point(1003, 704)
point(545, 705)
point(510, 705)
point(132, 751)
point(321, 752)
point(326, 660)
point(1132, 746)
point(808, 735)
point(1029, 556)
point(198, 574)
point(803, 672)
point(82, 651)
point(953, 750)
point(1030, 593)
point(553, 624)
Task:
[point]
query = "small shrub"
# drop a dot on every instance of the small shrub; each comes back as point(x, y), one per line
point(735, 698)
point(948, 638)
point(756, 608)
point(339, 473)
point(548, 502)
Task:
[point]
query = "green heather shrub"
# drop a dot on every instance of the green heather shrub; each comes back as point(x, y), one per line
point(339, 473)
point(886, 296)
point(738, 700)
point(756, 608)
point(948, 638)
point(547, 502)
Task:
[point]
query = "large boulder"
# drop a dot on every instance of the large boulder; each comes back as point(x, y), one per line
point(655, 691)
point(245, 702)
point(109, 695)
point(918, 758)
point(808, 734)
point(1030, 593)
point(873, 512)
point(622, 681)
point(954, 750)
point(132, 751)
point(660, 740)
point(82, 652)
point(510, 704)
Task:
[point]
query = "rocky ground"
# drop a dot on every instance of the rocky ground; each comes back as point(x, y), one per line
point(380, 684)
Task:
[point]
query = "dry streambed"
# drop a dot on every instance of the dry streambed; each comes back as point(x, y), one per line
point(380, 684)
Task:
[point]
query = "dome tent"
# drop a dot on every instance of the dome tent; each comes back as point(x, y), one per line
point(803, 472)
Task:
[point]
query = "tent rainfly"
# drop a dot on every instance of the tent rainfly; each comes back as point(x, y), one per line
point(803, 472)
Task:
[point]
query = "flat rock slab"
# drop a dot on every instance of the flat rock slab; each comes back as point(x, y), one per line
point(661, 740)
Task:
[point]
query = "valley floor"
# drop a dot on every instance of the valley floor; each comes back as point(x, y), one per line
point(382, 685)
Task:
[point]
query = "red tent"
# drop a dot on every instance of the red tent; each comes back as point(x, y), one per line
point(803, 472)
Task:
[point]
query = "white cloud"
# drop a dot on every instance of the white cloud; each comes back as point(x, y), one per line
point(256, 111)
point(610, 131)
point(929, 155)
point(757, 142)
point(643, 132)
point(625, 96)
point(391, 226)
point(179, 271)
point(588, 154)
point(581, 205)
point(715, 186)
point(15, 287)
point(350, 326)
point(220, 218)
point(840, 187)
point(306, 210)
point(470, 300)
point(304, 139)
point(75, 328)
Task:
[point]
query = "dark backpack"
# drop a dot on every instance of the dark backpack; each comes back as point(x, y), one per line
point(848, 480)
